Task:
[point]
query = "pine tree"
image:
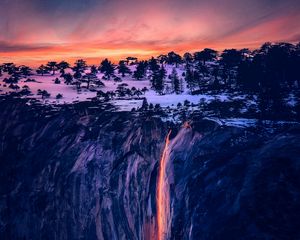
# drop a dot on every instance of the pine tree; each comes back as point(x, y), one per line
point(188, 58)
point(42, 70)
point(145, 104)
point(140, 71)
point(63, 66)
point(68, 78)
point(123, 69)
point(206, 55)
point(158, 80)
point(52, 66)
point(190, 80)
point(94, 69)
point(107, 68)
point(25, 71)
point(88, 78)
point(80, 66)
point(78, 76)
point(174, 58)
point(175, 82)
point(153, 65)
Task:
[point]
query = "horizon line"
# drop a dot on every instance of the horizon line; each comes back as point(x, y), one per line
point(114, 55)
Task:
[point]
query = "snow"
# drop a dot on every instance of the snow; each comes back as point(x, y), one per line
point(46, 82)
point(236, 122)
point(174, 99)
point(70, 93)
point(248, 122)
point(110, 85)
point(167, 100)
point(127, 105)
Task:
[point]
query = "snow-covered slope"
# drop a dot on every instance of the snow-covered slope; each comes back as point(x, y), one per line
point(70, 93)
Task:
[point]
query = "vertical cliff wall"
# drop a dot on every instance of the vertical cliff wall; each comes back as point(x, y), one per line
point(82, 172)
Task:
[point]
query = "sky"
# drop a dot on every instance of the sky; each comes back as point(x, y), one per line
point(37, 31)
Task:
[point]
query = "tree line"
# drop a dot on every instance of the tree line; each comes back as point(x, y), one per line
point(271, 72)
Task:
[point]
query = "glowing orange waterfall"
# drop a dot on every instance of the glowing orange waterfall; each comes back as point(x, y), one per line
point(163, 195)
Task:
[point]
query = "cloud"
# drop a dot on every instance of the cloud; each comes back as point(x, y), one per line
point(6, 47)
point(77, 27)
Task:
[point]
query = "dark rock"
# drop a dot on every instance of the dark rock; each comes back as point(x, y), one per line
point(84, 172)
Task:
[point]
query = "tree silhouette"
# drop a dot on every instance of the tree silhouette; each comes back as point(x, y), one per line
point(123, 69)
point(94, 69)
point(188, 57)
point(90, 78)
point(231, 58)
point(140, 71)
point(175, 82)
point(25, 71)
point(11, 80)
point(42, 70)
point(162, 59)
point(107, 68)
point(80, 66)
point(191, 78)
point(62, 66)
point(153, 66)
point(206, 55)
point(78, 77)
point(137, 92)
point(43, 93)
point(59, 96)
point(9, 67)
point(145, 104)
point(68, 78)
point(202, 69)
point(174, 58)
point(57, 81)
point(52, 66)
point(158, 80)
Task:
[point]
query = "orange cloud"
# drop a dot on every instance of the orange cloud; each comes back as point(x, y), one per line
point(51, 30)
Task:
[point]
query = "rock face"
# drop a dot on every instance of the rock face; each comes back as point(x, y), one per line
point(232, 184)
point(87, 173)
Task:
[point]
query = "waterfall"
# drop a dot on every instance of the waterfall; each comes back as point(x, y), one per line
point(163, 195)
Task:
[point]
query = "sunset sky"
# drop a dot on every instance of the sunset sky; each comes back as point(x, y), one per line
point(35, 31)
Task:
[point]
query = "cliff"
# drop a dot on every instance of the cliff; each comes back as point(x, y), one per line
point(86, 172)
